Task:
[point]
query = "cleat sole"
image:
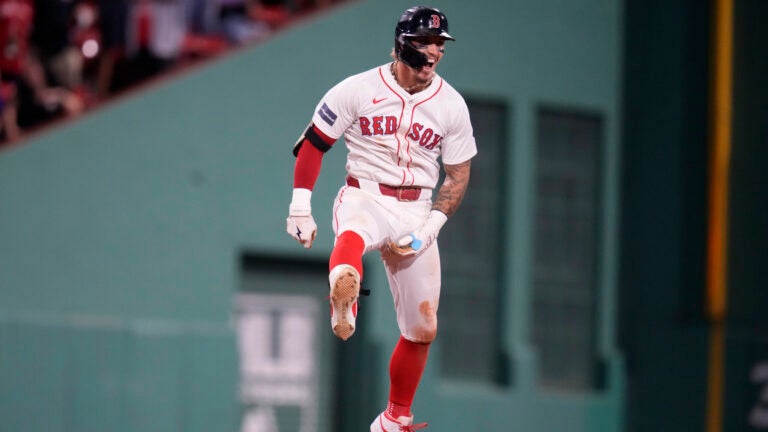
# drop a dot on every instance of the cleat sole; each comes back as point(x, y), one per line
point(343, 296)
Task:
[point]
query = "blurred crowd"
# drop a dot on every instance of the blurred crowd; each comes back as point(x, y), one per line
point(59, 58)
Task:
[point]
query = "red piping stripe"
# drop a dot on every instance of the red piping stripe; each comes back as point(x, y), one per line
point(413, 112)
point(402, 110)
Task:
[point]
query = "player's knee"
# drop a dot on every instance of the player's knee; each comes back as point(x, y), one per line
point(423, 334)
point(426, 330)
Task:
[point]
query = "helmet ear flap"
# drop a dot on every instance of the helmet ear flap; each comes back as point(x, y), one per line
point(409, 55)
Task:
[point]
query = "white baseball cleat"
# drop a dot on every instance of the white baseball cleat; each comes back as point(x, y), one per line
point(385, 423)
point(345, 290)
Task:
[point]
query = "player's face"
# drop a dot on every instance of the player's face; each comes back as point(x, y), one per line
point(433, 47)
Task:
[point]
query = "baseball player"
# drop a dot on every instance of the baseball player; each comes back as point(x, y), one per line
point(397, 120)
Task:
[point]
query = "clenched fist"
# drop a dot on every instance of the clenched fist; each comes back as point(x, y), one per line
point(300, 223)
point(303, 229)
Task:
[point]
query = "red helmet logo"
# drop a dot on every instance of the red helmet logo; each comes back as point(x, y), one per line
point(435, 22)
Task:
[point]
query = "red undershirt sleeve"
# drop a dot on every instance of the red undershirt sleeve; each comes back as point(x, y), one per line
point(309, 161)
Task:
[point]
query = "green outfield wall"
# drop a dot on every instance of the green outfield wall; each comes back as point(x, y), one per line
point(666, 336)
point(141, 244)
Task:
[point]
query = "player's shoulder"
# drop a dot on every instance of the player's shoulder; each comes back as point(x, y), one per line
point(355, 89)
point(449, 90)
point(451, 97)
point(370, 75)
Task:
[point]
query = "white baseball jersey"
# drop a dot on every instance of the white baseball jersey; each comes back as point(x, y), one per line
point(393, 137)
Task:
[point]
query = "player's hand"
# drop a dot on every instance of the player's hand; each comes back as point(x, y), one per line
point(403, 246)
point(300, 223)
point(303, 229)
point(423, 237)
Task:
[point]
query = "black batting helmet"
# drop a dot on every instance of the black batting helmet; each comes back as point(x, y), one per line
point(415, 22)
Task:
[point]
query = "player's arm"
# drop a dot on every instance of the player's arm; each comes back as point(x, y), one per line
point(309, 151)
point(452, 190)
point(448, 199)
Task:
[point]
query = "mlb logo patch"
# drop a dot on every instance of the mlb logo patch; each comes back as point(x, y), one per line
point(327, 115)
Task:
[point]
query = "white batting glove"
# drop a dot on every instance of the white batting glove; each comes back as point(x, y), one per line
point(300, 223)
point(423, 237)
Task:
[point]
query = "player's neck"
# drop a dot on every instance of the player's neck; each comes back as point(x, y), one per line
point(406, 79)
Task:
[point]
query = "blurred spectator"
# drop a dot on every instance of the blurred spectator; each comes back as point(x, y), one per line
point(203, 36)
point(309, 5)
point(274, 13)
point(57, 56)
point(28, 99)
point(144, 38)
point(39, 101)
point(85, 36)
point(238, 23)
point(52, 41)
point(202, 16)
point(15, 30)
point(16, 20)
point(9, 127)
point(113, 22)
point(156, 32)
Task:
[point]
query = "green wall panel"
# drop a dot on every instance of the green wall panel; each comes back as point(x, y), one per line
point(98, 369)
point(83, 374)
point(35, 379)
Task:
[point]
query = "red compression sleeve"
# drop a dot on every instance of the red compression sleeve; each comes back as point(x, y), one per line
point(307, 168)
point(308, 162)
point(405, 369)
point(349, 249)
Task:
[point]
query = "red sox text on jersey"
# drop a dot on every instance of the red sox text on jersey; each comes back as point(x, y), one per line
point(387, 125)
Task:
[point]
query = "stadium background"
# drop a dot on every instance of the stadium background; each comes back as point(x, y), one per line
point(137, 240)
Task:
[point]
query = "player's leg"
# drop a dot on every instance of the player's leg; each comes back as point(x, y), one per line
point(355, 224)
point(415, 286)
point(345, 274)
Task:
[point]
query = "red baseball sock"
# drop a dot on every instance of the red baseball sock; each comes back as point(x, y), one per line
point(405, 368)
point(348, 250)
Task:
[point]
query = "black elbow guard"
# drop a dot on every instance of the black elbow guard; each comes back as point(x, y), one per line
point(311, 136)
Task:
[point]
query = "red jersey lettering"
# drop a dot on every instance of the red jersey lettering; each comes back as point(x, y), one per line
point(434, 142)
point(415, 131)
point(377, 129)
point(364, 126)
point(391, 125)
point(378, 125)
point(425, 137)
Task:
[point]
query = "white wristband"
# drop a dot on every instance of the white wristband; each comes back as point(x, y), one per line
point(435, 221)
point(300, 202)
point(427, 232)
